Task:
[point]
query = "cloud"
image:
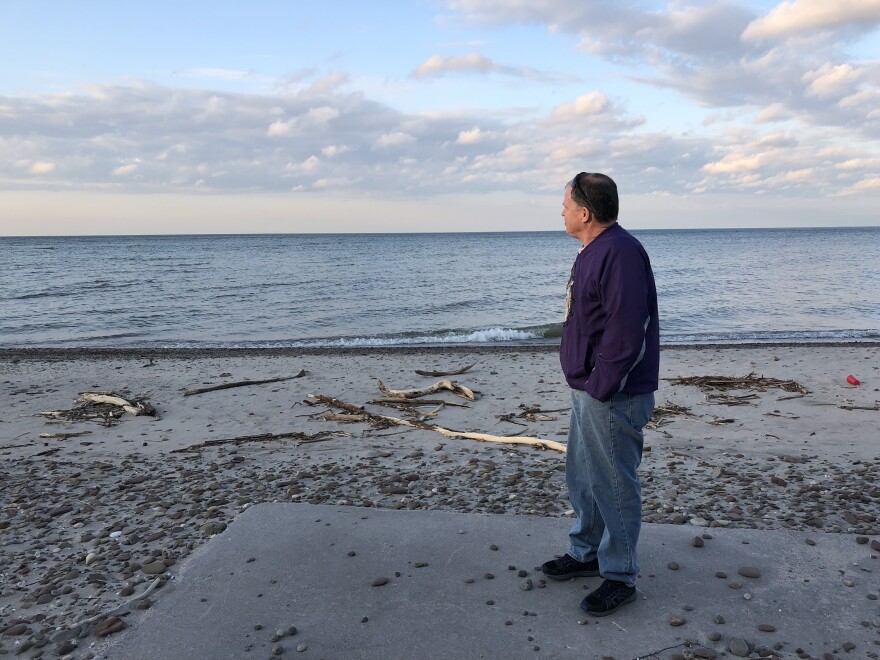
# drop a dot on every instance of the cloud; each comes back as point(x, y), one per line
point(394, 139)
point(805, 76)
point(593, 103)
point(125, 170)
point(773, 112)
point(830, 80)
point(279, 128)
point(440, 65)
point(470, 137)
point(42, 168)
point(323, 114)
point(320, 138)
point(332, 150)
point(798, 16)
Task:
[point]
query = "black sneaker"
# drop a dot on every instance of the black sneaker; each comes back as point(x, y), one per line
point(567, 567)
point(608, 598)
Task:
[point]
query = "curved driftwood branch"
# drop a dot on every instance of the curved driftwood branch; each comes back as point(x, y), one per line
point(449, 433)
point(242, 383)
point(134, 408)
point(458, 390)
point(155, 584)
point(457, 372)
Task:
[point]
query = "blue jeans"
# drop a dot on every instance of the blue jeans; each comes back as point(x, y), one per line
point(604, 450)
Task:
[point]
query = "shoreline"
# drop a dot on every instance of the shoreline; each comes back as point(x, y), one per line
point(133, 352)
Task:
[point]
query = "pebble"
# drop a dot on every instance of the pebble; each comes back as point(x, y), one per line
point(300, 648)
point(525, 584)
point(698, 542)
point(109, 626)
point(677, 620)
point(672, 566)
point(379, 581)
point(703, 652)
point(766, 627)
point(17, 629)
point(714, 636)
point(154, 567)
point(277, 649)
point(721, 574)
point(739, 647)
point(719, 620)
point(489, 576)
point(749, 572)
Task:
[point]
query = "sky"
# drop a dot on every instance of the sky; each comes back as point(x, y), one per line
point(434, 115)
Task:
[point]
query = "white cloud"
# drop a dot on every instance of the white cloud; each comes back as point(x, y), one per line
point(280, 128)
point(335, 150)
point(773, 112)
point(439, 65)
point(394, 139)
point(42, 168)
point(329, 83)
point(323, 114)
point(796, 16)
point(307, 166)
point(90, 137)
point(830, 80)
point(593, 103)
point(470, 137)
point(124, 170)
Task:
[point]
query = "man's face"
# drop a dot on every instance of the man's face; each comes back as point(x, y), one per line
point(573, 214)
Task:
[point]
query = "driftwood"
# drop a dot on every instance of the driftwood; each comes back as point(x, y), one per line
point(394, 402)
point(105, 407)
point(382, 420)
point(535, 414)
point(155, 584)
point(731, 399)
point(457, 372)
point(749, 382)
point(242, 383)
point(64, 436)
point(458, 390)
point(303, 438)
point(133, 407)
point(662, 414)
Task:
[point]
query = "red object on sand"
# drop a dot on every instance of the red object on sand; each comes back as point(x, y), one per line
point(852, 380)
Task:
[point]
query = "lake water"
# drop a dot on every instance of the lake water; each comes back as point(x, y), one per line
point(726, 286)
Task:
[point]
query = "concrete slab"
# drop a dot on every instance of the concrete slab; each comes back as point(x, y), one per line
point(282, 565)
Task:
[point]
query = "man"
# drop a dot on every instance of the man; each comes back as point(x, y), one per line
point(610, 355)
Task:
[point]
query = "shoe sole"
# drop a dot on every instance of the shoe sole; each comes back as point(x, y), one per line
point(568, 576)
point(586, 609)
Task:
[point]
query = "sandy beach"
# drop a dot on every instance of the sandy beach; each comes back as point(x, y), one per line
point(93, 519)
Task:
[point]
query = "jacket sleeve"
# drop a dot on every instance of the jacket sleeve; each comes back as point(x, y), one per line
point(623, 291)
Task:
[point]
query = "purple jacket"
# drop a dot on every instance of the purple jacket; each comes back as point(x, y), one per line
point(611, 338)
